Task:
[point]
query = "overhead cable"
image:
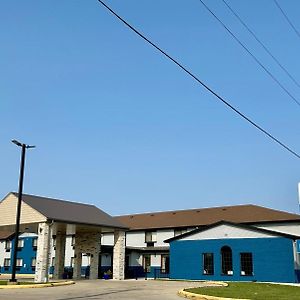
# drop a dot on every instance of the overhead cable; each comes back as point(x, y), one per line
point(251, 54)
point(262, 44)
point(287, 18)
point(220, 98)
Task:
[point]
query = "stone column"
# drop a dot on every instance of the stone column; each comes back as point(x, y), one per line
point(94, 248)
point(43, 252)
point(88, 243)
point(77, 258)
point(119, 255)
point(59, 255)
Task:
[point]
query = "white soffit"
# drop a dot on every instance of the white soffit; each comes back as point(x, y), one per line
point(226, 231)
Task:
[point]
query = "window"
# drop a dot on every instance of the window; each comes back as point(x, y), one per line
point(73, 241)
point(7, 245)
point(150, 236)
point(53, 262)
point(165, 263)
point(54, 241)
point(20, 243)
point(226, 255)
point(179, 231)
point(208, 263)
point(19, 262)
point(147, 263)
point(33, 262)
point(34, 243)
point(6, 262)
point(72, 262)
point(246, 264)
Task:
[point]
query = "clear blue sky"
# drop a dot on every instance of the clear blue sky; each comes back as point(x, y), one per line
point(117, 125)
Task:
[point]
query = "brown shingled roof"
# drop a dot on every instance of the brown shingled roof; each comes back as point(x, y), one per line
point(70, 212)
point(5, 234)
point(206, 216)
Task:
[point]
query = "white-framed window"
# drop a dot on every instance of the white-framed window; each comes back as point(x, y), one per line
point(19, 262)
point(34, 242)
point(7, 244)
point(20, 243)
point(33, 262)
point(165, 263)
point(150, 236)
point(147, 263)
point(6, 262)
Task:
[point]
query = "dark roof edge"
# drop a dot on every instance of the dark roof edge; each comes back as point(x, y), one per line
point(87, 224)
point(203, 225)
point(204, 208)
point(239, 225)
point(7, 237)
point(53, 199)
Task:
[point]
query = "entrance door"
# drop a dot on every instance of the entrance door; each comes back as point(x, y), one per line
point(165, 263)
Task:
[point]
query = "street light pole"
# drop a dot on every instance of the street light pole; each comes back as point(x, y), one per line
point(18, 215)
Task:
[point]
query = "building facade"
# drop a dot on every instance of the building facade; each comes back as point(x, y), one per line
point(147, 251)
point(233, 252)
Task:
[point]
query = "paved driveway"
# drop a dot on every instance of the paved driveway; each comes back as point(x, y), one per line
point(101, 289)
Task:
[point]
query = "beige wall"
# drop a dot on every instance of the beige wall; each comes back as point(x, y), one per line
point(8, 209)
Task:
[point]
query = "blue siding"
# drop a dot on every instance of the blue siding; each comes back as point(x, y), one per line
point(273, 259)
point(27, 252)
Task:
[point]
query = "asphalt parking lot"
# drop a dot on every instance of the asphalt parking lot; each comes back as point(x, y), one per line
point(102, 289)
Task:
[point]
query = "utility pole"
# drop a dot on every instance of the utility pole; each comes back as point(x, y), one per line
point(18, 215)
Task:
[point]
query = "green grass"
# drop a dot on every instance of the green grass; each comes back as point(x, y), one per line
point(253, 291)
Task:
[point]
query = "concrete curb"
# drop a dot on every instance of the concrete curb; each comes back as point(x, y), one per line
point(33, 286)
point(182, 293)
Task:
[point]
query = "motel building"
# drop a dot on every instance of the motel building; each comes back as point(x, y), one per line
point(240, 243)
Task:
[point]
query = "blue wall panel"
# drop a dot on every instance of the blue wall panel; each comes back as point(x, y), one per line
point(273, 259)
point(26, 253)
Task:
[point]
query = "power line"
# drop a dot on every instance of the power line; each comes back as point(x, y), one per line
point(220, 98)
point(251, 54)
point(287, 18)
point(262, 44)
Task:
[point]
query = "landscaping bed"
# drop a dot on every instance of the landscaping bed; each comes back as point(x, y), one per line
point(251, 290)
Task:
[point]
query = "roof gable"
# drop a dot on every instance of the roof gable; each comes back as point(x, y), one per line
point(8, 209)
point(65, 211)
point(229, 230)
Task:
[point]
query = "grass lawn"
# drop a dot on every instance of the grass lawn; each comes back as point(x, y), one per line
point(251, 290)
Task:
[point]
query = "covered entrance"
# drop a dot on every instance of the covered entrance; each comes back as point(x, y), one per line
point(53, 219)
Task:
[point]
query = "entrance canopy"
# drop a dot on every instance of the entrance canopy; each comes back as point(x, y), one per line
point(51, 218)
point(71, 215)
